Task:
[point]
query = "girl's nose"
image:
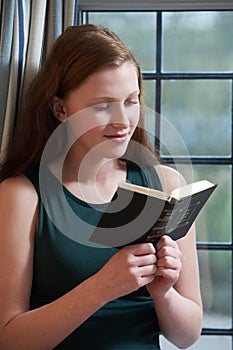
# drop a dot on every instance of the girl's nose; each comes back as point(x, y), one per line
point(118, 125)
point(120, 118)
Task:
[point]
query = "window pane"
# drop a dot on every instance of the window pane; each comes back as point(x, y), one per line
point(216, 288)
point(136, 29)
point(204, 343)
point(197, 41)
point(149, 94)
point(214, 222)
point(201, 112)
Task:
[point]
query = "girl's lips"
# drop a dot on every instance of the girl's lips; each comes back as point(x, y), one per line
point(117, 137)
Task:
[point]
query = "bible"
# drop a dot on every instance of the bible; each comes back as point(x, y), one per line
point(140, 214)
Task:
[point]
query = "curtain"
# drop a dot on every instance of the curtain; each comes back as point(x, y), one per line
point(27, 30)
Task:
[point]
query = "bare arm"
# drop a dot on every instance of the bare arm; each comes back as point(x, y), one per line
point(176, 287)
point(45, 327)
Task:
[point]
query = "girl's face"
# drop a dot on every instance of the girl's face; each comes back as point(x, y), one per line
point(104, 111)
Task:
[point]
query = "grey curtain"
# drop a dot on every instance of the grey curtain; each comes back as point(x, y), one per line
point(27, 30)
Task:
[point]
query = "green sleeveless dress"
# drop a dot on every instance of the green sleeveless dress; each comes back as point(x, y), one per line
point(61, 263)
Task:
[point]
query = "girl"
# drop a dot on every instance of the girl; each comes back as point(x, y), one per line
point(63, 293)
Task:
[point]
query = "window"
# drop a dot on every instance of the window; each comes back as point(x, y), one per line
point(187, 63)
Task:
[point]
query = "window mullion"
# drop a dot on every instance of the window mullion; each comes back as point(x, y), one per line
point(158, 79)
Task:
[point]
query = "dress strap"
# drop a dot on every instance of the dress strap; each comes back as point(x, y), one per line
point(144, 176)
point(33, 176)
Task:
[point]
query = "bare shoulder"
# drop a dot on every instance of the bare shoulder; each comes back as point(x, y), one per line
point(18, 194)
point(169, 178)
point(18, 229)
point(18, 186)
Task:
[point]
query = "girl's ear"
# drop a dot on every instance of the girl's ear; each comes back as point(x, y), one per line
point(58, 109)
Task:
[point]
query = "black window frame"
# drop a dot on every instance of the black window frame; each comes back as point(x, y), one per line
point(158, 75)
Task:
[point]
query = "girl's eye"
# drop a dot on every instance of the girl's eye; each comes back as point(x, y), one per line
point(130, 103)
point(102, 107)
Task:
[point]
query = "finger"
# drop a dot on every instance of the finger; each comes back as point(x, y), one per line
point(169, 262)
point(141, 248)
point(165, 240)
point(149, 259)
point(169, 251)
point(168, 274)
point(148, 270)
point(147, 279)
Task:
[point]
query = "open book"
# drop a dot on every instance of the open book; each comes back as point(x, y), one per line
point(140, 214)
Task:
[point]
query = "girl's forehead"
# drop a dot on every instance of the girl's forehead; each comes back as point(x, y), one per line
point(108, 80)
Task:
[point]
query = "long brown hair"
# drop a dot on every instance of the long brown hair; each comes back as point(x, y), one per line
point(77, 53)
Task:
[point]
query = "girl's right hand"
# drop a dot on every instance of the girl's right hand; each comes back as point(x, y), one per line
point(129, 269)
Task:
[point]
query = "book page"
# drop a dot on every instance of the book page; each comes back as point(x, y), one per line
point(191, 189)
point(144, 190)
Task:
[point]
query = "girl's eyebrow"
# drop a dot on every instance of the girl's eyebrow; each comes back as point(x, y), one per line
point(111, 98)
point(137, 92)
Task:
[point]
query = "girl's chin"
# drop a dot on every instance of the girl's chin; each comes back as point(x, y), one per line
point(114, 152)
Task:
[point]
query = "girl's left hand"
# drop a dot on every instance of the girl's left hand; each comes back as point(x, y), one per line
point(168, 264)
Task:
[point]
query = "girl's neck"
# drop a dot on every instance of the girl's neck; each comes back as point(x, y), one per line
point(90, 170)
point(93, 182)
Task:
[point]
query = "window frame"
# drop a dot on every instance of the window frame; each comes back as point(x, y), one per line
point(158, 75)
point(134, 5)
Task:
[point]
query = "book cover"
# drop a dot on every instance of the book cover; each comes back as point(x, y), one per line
point(138, 214)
